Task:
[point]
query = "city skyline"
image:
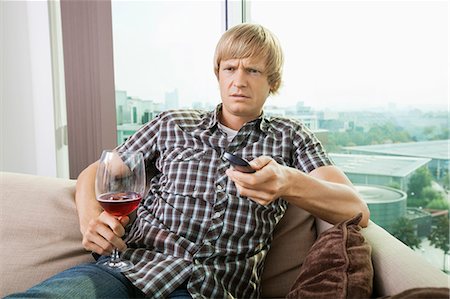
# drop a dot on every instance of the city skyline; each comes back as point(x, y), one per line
point(270, 103)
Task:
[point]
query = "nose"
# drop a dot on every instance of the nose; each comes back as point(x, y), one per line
point(240, 78)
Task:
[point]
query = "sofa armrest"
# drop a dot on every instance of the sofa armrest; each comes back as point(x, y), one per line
point(39, 230)
point(397, 267)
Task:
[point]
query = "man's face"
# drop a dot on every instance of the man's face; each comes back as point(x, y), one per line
point(244, 87)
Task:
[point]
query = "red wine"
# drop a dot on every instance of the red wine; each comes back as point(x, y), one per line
point(119, 203)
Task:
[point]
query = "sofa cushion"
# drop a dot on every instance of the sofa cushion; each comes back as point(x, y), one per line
point(293, 237)
point(337, 266)
point(421, 293)
point(39, 230)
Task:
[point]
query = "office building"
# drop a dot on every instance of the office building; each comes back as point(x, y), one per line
point(381, 170)
point(436, 150)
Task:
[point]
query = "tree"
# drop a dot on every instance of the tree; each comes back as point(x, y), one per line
point(403, 229)
point(429, 130)
point(416, 202)
point(438, 204)
point(446, 180)
point(439, 237)
point(427, 196)
point(445, 134)
point(356, 135)
point(430, 194)
point(419, 181)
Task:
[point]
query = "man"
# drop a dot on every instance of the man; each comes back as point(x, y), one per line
point(205, 228)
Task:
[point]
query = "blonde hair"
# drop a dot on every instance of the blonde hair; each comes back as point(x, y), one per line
point(252, 40)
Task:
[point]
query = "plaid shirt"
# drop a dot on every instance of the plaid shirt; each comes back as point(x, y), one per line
point(193, 225)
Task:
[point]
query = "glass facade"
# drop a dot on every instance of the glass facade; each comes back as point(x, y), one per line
point(386, 205)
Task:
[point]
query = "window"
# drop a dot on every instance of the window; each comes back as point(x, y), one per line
point(369, 77)
point(163, 58)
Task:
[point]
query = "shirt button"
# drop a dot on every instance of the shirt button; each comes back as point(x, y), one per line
point(217, 214)
point(179, 156)
point(219, 187)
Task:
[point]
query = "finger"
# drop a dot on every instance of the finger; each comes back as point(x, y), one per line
point(101, 234)
point(109, 236)
point(251, 180)
point(113, 223)
point(256, 196)
point(93, 241)
point(124, 220)
point(101, 246)
point(242, 178)
point(260, 162)
point(93, 247)
point(89, 246)
point(248, 192)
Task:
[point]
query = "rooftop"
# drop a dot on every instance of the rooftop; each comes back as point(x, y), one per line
point(415, 213)
point(377, 164)
point(435, 149)
point(380, 194)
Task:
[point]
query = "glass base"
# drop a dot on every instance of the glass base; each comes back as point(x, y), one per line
point(119, 266)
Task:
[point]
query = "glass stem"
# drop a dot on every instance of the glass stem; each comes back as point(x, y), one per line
point(115, 257)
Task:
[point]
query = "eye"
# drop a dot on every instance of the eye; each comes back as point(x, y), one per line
point(253, 71)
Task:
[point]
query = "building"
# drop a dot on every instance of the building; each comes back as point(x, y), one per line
point(301, 113)
point(322, 135)
point(132, 113)
point(126, 130)
point(305, 114)
point(171, 100)
point(309, 120)
point(386, 204)
point(436, 150)
point(390, 171)
point(421, 220)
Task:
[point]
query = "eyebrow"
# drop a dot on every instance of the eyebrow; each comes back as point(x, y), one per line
point(255, 65)
point(228, 63)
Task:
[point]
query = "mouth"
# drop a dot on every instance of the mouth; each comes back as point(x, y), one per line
point(239, 96)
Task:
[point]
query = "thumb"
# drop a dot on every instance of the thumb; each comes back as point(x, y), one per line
point(260, 162)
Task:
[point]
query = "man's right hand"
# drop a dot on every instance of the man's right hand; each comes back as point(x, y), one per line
point(104, 233)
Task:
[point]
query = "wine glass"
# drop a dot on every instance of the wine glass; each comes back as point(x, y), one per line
point(119, 188)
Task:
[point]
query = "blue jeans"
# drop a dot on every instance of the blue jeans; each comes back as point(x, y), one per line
point(90, 281)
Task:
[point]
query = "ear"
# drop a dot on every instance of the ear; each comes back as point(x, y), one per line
point(274, 86)
point(216, 72)
point(271, 89)
point(271, 85)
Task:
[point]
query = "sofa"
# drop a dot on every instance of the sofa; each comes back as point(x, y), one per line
point(40, 236)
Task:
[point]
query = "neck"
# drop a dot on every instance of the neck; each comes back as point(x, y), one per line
point(233, 121)
point(234, 124)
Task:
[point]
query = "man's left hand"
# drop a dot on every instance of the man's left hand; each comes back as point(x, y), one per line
point(264, 186)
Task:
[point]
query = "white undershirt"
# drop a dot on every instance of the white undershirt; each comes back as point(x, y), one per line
point(229, 132)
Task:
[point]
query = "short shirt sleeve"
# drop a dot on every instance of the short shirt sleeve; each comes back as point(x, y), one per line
point(144, 140)
point(309, 153)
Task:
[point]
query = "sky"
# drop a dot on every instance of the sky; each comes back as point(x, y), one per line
point(339, 55)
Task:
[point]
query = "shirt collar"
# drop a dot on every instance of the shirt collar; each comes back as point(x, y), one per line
point(212, 119)
point(264, 124)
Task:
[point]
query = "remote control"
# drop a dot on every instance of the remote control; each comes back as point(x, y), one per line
point(238, 163)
